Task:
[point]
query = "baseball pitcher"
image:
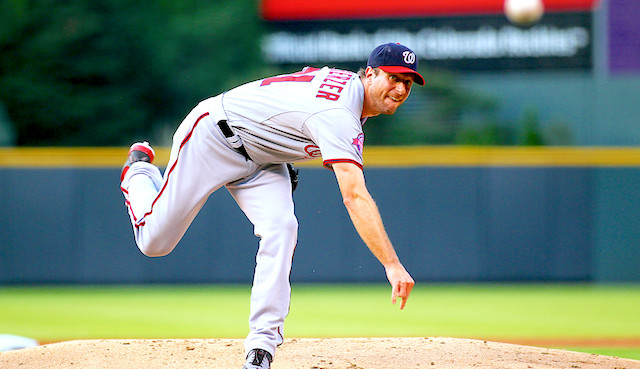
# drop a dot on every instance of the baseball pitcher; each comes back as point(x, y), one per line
point(243, 140)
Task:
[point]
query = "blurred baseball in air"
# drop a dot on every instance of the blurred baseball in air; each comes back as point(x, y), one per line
point(523, 12)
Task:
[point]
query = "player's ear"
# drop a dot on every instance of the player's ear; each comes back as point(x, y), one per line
point(370, 72)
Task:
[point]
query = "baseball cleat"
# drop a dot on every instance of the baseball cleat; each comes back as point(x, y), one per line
point(256, 359)
point(139, 151)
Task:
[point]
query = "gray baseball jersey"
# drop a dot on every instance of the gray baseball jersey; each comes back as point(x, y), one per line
point(301, 116)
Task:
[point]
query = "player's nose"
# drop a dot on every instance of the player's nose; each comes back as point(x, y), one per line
point(401, 88)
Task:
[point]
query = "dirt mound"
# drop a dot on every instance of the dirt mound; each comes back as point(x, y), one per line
point(307, 353)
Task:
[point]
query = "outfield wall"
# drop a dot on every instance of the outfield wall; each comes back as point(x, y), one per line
point(454, 214)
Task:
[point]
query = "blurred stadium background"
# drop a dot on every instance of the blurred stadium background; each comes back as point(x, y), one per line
point(517, 162)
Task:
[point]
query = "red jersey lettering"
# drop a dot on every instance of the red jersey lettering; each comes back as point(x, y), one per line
point(328, 95)
point(337, 77)
point(331, 86)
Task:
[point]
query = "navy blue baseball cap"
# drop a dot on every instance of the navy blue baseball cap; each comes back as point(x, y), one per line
point(395, 58)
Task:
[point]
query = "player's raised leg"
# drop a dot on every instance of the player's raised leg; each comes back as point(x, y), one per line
point(267, 201)
point(201, 162)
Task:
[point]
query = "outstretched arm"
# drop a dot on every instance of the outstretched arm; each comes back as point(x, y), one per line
point(367, 221)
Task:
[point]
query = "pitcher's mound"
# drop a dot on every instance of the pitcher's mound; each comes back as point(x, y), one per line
point(305, 353)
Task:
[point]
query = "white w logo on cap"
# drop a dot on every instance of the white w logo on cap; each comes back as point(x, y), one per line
point(409, 57)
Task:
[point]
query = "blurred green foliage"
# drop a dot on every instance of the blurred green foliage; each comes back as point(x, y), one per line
point(110, 72)
point(106, 72)
point(445, 112)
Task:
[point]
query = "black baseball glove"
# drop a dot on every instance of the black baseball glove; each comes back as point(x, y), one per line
point(293, 175)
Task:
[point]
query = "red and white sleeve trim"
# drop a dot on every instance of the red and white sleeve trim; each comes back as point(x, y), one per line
point(328, 163)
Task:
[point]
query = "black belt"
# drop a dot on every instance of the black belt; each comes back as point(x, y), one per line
point(233, 139)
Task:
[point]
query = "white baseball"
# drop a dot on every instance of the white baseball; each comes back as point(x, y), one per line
point(523, 12)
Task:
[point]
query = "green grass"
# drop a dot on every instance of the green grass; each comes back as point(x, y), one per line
point(487, 311)
point(628, 353)
point(62, 313)
point(502, 311)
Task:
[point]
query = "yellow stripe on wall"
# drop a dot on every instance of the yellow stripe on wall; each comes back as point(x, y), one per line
point(501, 156)
point(383, 156)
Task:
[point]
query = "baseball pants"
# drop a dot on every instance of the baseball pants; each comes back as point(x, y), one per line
point(161, 209)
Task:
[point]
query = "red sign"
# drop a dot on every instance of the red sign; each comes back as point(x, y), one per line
point(288, 10)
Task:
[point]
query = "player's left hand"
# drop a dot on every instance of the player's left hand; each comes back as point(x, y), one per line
point(401, 283)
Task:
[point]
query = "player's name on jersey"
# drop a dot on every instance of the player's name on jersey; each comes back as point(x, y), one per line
point(333, 84)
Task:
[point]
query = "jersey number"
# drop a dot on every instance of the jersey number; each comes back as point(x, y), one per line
point(296, 77)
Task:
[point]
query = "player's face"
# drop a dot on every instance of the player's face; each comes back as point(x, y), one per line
point(386, 91)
